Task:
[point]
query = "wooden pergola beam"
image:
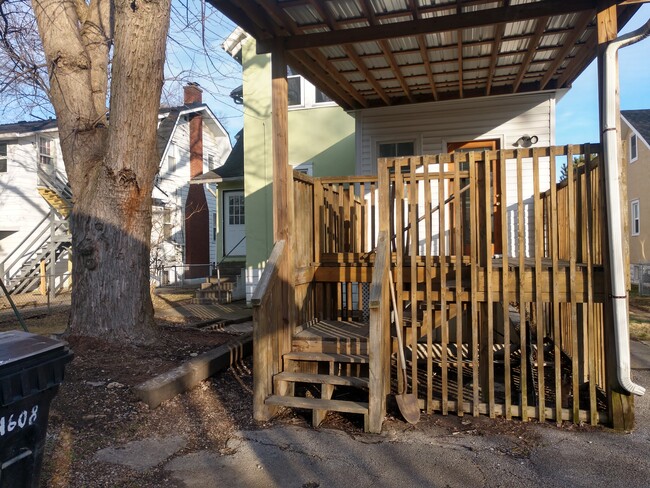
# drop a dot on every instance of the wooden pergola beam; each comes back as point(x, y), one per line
point(466, 20)
point(496, 47)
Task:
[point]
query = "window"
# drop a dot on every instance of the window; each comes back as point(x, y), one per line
point(294, 82)
point(305, 168)
point(45, 156)
point(171, 159)
point(396, 149)
point(214, 226)
point(634, 154)
point(3, 157)
point(236, 214)
point(167, 223)
point(635, 218)
point(321, 97)
point(210, 162)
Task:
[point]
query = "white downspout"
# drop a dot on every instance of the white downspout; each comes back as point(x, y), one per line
point(615, 224)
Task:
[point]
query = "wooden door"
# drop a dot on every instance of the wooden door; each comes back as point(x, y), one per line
point(495, 184)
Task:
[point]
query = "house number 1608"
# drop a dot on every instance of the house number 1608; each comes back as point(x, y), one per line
point(19, 420)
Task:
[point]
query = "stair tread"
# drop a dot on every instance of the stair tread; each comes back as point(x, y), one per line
point(324, 356)
point(322, 378)
point(318, 404)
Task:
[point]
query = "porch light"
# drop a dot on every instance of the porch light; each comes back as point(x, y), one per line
point(526, 141)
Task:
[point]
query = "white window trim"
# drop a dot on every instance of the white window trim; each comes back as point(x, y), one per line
point(375, 141)
point(52, 149)
point(5, 157)
point(633, 159)
point(306, 168)
point(302, 91)
point(171, 151)
point(635, 203)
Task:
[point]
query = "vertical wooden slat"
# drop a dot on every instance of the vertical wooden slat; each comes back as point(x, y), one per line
point(428, 258)
point(413, 223)
point(373, 217)
point(473, 192)
point(572, 277)
point(557, 340)
point(505, 295)
point(458, 220)
point(489, 323)
point(521, 249)
point(539, 304)
point(442, 255)
point(591, 330)
point(399, 243)
point(318, 220)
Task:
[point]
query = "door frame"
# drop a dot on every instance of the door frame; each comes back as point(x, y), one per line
point(224, 225)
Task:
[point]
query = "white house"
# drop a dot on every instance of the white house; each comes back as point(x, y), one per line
point(36, 200)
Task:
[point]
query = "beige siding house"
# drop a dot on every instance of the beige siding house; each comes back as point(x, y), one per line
point(635, 128)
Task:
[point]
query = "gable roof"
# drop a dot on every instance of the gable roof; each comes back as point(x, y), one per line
point(639, 120)
point(364, 53)
point(168, 117)
point(24, 128)
point(231, 170)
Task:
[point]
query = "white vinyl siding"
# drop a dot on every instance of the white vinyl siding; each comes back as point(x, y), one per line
point(433, 125)
point(3, 157)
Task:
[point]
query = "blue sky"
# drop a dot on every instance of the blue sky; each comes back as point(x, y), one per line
point(577, 112)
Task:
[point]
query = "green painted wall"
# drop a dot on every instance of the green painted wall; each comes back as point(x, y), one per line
point(322, 135)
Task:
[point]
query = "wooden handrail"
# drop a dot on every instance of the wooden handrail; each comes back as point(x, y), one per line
point(269, 275)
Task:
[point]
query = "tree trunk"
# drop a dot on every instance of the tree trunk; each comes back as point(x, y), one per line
point(111, 163)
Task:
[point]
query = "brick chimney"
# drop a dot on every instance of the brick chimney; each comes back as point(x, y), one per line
point(197, 216)
point(192, 93)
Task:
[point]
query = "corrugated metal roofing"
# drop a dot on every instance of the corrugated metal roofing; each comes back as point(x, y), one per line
point(494, 56)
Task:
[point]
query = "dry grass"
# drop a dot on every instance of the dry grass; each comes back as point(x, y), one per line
point(639, 316)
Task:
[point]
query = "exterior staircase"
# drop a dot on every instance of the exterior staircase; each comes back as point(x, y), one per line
point(220, 288)
point(46, 246)
point(331, 359)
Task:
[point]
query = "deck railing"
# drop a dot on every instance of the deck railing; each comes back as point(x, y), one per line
point(500, 274)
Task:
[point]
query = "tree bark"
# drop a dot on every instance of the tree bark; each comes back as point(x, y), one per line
point(111, 164)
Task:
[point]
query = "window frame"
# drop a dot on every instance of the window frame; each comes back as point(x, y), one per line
point(45, 158)
point(4, 158)
point(635, 220)
point(395, 143)
point(301, 83)
point(634, 143)
point(171, 155)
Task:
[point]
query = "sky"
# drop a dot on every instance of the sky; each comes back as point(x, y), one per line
point(577, 111)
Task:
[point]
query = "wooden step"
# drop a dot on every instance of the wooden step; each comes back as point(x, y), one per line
point(327, 357)
point(331, 336)
point(322, 379)
point(318, 404)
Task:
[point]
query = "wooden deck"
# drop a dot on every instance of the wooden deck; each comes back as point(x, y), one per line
point(428, 224)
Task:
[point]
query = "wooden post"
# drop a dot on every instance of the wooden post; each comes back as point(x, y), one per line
point(43, 283)
point(621, 404)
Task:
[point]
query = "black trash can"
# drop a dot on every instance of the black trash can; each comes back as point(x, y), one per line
point(31, 370)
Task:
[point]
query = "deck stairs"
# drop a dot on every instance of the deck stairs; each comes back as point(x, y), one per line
point(220, 287)
point(326, 370)
point(48, 243)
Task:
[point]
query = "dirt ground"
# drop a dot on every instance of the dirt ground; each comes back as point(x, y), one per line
point(97, 408)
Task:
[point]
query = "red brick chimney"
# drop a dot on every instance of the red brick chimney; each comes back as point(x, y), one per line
point(197, 216)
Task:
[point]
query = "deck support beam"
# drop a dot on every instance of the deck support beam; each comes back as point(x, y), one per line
point(621, 404)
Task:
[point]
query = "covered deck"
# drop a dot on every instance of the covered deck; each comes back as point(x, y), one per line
point(503, 296)
point(529, 323)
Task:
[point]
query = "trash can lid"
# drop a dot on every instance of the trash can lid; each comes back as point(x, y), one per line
point(17, 345)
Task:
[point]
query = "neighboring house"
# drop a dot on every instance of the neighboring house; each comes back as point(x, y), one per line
point(326, 141)
point(635, 131)
point(321, 143)
point(34, 194)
